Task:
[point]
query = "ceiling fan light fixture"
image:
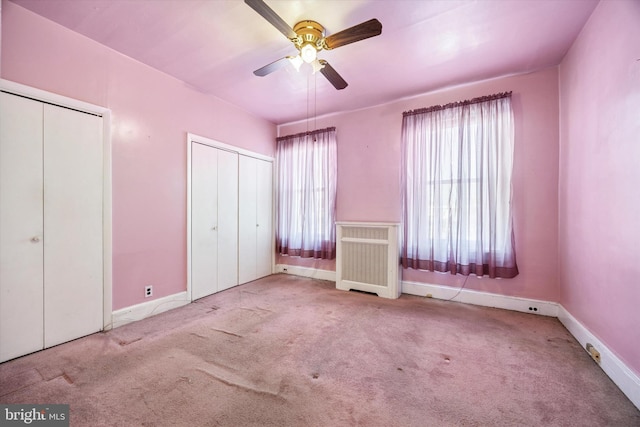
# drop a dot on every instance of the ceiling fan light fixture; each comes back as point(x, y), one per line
point(308, 53)
point(296, 61)
point(309, 38)
point(317, 66)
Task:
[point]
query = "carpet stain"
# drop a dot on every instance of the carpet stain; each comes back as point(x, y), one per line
point(561, 340)
point(233, 334)
point(198, 335)
point(257, 309)
point(186, 380)
point(67, 378)
point(238, 383)
point(438, 375)
point(123, 343)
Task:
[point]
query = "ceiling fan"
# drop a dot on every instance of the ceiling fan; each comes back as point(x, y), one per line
point(309, 38)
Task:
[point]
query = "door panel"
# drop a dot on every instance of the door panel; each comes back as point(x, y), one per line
point(247, 220)
point(73, 195)
point(21, 232)
point(264, 214)
point(227, 219)
point(204, 220)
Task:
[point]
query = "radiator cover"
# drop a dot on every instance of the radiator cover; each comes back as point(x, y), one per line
point(368, 258)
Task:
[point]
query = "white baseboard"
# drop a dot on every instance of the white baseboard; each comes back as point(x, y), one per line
point(146, 309)
point(467, 296)
point(620, 374)
point(314, 273)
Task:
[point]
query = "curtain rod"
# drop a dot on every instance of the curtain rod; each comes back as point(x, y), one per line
point(298, 135)
point(457, 104)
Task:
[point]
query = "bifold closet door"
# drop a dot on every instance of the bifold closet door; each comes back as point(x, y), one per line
point(264, 215)
point(255, 241)
point(51, 241)
point(21, 226)
point(73, 197)
point(214, 220)
point(227, 220)
point(248, 221)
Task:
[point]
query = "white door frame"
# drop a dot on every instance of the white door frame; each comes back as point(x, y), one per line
point(196, 139)
point(105, 113)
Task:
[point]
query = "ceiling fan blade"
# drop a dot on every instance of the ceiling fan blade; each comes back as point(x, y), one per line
point(267, 13)
point(270, 68)
point(332, 75)
point(370, 28)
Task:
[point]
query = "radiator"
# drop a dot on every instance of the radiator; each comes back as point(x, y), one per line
point(368, 258)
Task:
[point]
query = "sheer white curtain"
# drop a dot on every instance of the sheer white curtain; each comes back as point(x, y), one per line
point(457, 188)
point(306, 194)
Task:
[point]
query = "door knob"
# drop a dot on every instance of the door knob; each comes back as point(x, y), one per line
point(214, 228)
point(35, 239)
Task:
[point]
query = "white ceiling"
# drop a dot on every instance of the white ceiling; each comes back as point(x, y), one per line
point(214, 45)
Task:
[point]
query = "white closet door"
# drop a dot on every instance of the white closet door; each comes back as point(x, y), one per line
point(214, 220)
point(21, 232)
point(255, 235)
point(264, 215)
point(73, 197)
point(247, 220)
point(204, 220)
point(227, 219)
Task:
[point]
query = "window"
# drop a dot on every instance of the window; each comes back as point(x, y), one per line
point(457, 188)
point(306, 194)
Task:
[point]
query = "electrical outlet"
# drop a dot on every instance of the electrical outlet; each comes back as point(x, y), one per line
point(595, 354)
point(148, 291)
point(534, 309)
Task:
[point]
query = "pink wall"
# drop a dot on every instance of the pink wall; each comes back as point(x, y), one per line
point(151, 115)
point(599, 212)
point(369, 176)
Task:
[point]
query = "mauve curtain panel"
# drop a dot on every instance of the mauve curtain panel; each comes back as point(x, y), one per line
point(306, 194)
point(457, 166)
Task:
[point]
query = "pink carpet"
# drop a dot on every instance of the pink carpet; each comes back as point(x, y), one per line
point(290, 351)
